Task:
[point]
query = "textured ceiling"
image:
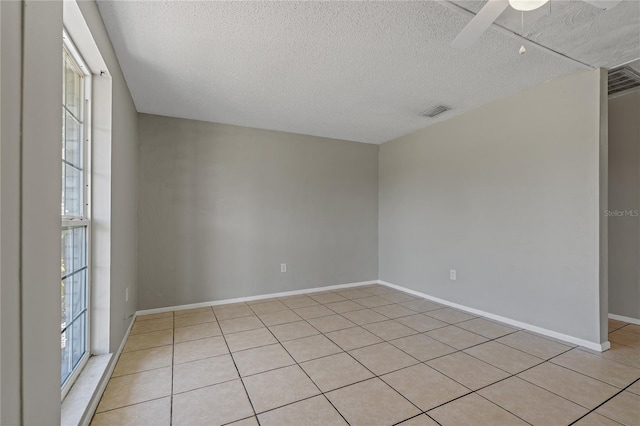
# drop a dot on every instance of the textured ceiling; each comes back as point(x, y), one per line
point(577, 29)
point(360, 71)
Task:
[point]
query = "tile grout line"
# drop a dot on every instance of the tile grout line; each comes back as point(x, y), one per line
point(511, 375)
point(424, 362)
point(152, 331)
point(303, 370)
point(469, 347)
point(587, 350)
point(146, 349)
point(210, 385)
point(350, 384)
point(586, 375)
point(516, 376)
point(301, 320)
point(475, 391)
point(382, 341)
point(385, 341)
point(503, 408)
point(393, 371)
point(230, 353)
point(238, 371)
point(451, 378)
point(375, 376)
point(430, 417)
point(593, 410)
point(130, 405)
point(542, 361)
point(416, 416)
point(300, 400)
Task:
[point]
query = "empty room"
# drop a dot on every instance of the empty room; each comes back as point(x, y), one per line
point(298, 213)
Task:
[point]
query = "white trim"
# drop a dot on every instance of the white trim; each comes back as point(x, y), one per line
point(251, 298)
point(625, 319)
point(75, 53)
point(98, 119)
point(97, 395)
point(78, 29)
point(83, 220)
point(601, 347)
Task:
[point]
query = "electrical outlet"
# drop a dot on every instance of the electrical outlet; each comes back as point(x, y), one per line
point(126, 294)
point(452, 274)
point(283, 267)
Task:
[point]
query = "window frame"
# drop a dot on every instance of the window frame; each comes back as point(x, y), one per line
point(84, 220)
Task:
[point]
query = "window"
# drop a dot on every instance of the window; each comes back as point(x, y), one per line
point(75, 218)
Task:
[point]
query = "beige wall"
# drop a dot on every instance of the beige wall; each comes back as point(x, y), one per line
point(30, 221)
point(508, 195)
point(221, 207)
point(624, 196)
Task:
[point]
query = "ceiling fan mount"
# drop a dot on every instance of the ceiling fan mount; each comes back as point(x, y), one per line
point(494, 8)
point(526, 5)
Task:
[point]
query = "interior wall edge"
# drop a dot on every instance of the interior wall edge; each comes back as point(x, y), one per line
point(603, 194)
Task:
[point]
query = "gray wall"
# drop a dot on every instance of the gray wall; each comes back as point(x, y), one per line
point(30, 222)
point(10, 74)
point(624, 195)
point(508, 196)
point(40, 211)
point(221, 207)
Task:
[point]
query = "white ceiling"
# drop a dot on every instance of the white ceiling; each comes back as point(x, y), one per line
point(360, 71)
point(583, 32)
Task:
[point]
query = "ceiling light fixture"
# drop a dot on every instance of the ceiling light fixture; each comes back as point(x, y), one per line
point(527, 5)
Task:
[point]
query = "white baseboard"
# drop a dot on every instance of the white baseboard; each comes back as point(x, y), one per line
point(556, 335)
point(625, 319)
point(97, 395)
point(601, 347)
point(252, 298)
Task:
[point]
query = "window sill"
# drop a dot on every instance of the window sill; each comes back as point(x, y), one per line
point(81, 399)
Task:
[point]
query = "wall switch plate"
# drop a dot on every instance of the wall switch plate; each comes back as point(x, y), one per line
point(283, 267)
point(452, 274)
point(126, 294)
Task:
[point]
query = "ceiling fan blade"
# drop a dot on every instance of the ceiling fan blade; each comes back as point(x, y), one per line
point(479, 24)
point(603, 4)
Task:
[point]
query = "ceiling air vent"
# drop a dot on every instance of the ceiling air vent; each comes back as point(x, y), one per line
point(622, 79)
point(436, 110)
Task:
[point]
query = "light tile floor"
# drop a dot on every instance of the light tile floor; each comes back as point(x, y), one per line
point(369, 355)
